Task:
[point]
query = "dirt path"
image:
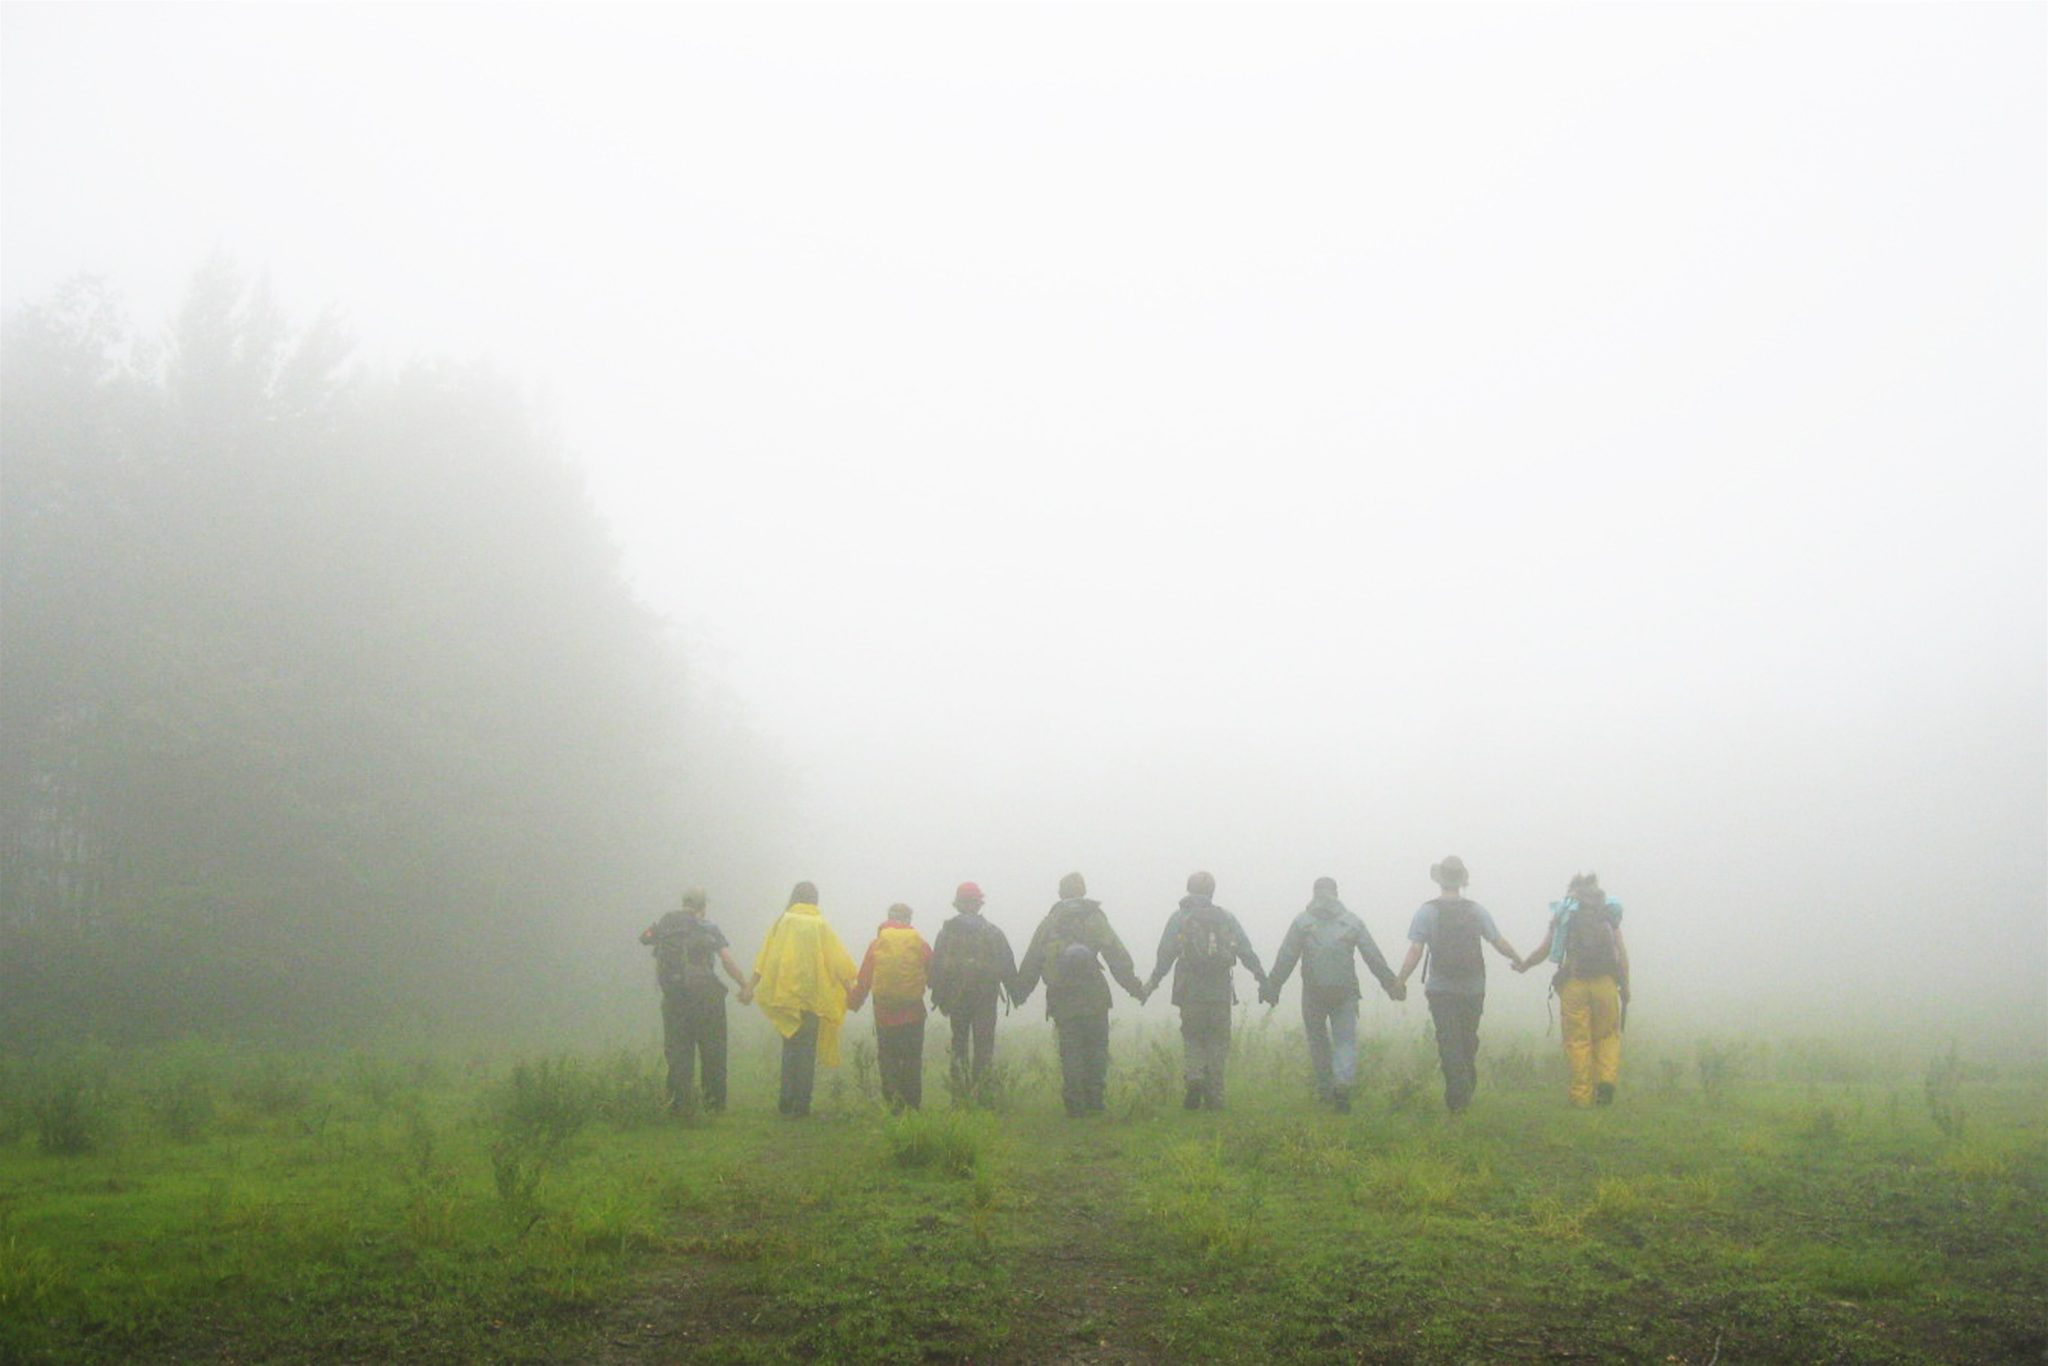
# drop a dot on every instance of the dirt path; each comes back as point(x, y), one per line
point(1080, 1295)
point(1075, 1293)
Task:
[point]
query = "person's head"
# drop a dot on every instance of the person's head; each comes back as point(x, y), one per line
point(804, 894)
point(1073, 885)
point(967, 897)
point(1201, 884)
point(1326, 886)
point(693, 902)
point(1450, 874)
point(900, 913)
point(1585, 890)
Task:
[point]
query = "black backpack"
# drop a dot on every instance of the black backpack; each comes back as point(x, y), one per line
point(1207, 944)
point(1454, 948)
point(973, 963)
point(682, 959)
point(1590, 948)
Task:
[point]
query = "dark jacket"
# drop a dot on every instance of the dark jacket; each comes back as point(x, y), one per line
point(1207, 984)
point(1327, 940)
point(1074, 983)
point(968, 936)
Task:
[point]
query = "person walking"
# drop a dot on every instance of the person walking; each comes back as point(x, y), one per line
point(1327, 939)
point(895, 971)
point(1069, 951)
point(801, 979)
point(1448, 929)
point(972, 967)
point(1202, 943)
point(688, 951)
point(1584, 940)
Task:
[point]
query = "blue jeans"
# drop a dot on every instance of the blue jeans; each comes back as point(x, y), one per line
point(799, 1067)
point(1332, 1024)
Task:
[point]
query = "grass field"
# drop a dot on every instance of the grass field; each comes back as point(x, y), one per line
point(1804, 1201)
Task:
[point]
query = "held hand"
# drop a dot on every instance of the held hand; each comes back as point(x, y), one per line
point(1521, 965)
point(746, 995)
point(1398, 991)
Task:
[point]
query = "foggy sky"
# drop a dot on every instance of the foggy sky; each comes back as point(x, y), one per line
point(1280, 441)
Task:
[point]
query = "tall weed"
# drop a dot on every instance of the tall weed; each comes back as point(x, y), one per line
point(71, 1104)
point(1944, 1092)
point(953, 1142)
point(538, 1110)
point(183, 1103)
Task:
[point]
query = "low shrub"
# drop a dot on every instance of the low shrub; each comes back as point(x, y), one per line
point(954, 1142)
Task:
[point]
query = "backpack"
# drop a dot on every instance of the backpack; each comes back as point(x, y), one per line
point(1326, 954)
point(1454, 948)
point(1206, 942)
point(1590, 949)
point(899, 966)
point(679, 961)
point(969, 965)
point(1069, 959)
point(973, 966)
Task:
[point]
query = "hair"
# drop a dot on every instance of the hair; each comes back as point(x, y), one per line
point(804, 894)
point(1326, 886)
point(1073, 885)
point(900, 912)
point(1585, 890)
point(1450, 874)
point(693, 900)
point(1201, 884)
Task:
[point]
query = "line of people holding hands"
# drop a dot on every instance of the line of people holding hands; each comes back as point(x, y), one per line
point(805, 982)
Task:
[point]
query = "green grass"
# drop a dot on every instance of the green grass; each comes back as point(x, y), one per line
point(1802, 1201)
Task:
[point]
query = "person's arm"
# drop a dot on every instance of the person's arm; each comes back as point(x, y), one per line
point(1490, 932)
point(863, 983)
point(1540, 952)
point(1621, 952)
point(732, 970)
point(1409, 963)
point(1248, 955)
point(1028, 970)
point(1283, 964)
point(1118, 958)
point(647, 935)
point(1010, 975)
point(1376, 964)
point(1169, 950)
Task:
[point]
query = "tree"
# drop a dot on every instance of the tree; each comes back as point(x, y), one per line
point(321, 693)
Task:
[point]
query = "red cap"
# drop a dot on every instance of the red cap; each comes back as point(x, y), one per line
point(967, 892)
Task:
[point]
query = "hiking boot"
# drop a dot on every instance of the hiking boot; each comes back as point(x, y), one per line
point(1340, 1100)
point(1193, 1099)
point(1603, 1094)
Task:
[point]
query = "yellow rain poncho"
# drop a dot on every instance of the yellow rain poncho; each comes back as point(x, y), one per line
point(803, 967)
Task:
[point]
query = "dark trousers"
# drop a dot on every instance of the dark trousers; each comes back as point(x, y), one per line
point(1205, 1038)
point(899, 1056)
point(693, 1036)
point(1457, 1044)
point(1084, 1060)
point(799, 1067)
point(974, 1033)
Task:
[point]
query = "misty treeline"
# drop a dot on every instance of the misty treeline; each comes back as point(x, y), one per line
point(324, 703)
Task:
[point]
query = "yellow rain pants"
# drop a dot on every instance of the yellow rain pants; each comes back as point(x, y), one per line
point(1591, 1010)
point(805, 970)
